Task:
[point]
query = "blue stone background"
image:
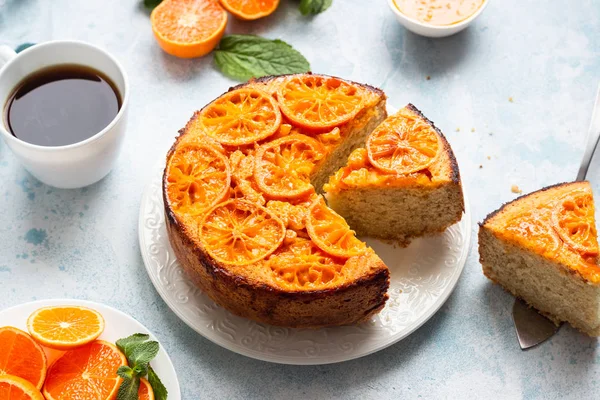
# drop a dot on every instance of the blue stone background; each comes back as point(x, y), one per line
point(545, 55)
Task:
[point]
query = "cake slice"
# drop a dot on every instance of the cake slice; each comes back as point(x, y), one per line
point(543, 248)
point(404, 184)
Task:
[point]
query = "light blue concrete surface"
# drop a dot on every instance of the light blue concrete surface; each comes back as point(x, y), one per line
point(545, 55)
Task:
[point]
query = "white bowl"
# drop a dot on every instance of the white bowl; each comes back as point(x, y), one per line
point(423, 29)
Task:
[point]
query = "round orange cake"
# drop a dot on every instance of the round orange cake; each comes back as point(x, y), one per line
point(242, 204)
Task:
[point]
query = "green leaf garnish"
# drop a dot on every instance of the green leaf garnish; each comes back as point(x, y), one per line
point(127, 344)
point(243, 57)
point(311, 7)
point(150, 4)
point(160, 391)
point(129, 389)
point(23, 46)
point(142, 353)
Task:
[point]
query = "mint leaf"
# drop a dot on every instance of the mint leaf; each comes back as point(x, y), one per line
point(243, 57)
point(23, 46)
point(126, 345)
point(143, 353)
point(125, 372)
point(160, 391)
point(311, 7)
point(129, 389)
point(150, 4)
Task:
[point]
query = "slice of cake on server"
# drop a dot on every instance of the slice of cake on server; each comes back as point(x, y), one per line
point(403, 185)
point(543, 248)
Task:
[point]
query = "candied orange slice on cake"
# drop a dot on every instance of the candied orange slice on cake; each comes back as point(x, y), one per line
point(188, 28)
point(573, 219)
point(87, 372)
point(283, 167)
point(21, 356)
point(15, 388)
point(240, 117)
point(536, 228)
point(330, 231)
point(248, 10)
point(198, 176)
point(403, 144)
point(239, 232)
point(319, 102)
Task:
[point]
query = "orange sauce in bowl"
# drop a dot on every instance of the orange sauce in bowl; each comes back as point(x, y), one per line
point(439, 12)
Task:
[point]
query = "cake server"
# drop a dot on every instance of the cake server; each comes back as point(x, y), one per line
point(531, 326)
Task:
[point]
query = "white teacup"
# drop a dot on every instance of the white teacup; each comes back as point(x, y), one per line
point(82, 163)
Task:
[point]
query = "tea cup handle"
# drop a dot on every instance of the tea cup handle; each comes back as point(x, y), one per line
point(6, 54)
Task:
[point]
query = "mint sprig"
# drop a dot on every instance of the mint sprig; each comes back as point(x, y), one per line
point(243, 57)
point(311, 7)
point(139, 351)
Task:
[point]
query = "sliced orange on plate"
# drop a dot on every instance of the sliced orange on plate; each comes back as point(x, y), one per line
point(88, 372)
point(145, 391)
point(239, 232)
point(248, 10)
point(65, 327)
point(331, 232)
point(21, 356)
point(240, 117)
point(188, 28)
point(319, 102)
point(283, 167)
point(573, 220)
point(403, 144)
point(15, 388)
point(198, 177)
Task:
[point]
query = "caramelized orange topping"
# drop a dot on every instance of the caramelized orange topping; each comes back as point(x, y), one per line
point(534, 226)
point(573, 219)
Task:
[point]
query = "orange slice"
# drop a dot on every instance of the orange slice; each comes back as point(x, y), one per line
point(573, 219)
point(319, 102)
point(65, 327)
point(15, 388)
point(403, 144)
point(248, 10)
point(145, 392)
point(330, 232)
point(283, 167)
point(21, 356)
point(302, 264)
point(240, 117)
point(198, 177)
point(238, 232)
point(533, 230)
point(86, 373)
point(188, 28)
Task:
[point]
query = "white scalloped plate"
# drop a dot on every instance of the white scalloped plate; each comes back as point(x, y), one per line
point(423, 276)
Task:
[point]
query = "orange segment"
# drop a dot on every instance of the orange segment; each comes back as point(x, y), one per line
point(574, 220)
point(15, 388)
point(238, 232)
point(145, 392)
point(319, 102)
point(198, 177)
point(188, 28)
point(86, 373)
point(403, 144)
point(301, 264)
point(250, 9)
point(533, 230)
point(65, 327)
point(283, 167)
point(240, 117)
point(330, 232)
point(21, 356)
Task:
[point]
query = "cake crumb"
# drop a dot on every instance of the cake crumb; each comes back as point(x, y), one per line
point(480, 166)
point(472, 129)
point(489, 157)
point(428, 77)
point(515, 189)
point(457, 129)
point(510, 99)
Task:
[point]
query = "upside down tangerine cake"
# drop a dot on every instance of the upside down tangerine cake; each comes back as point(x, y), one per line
point(243, 207)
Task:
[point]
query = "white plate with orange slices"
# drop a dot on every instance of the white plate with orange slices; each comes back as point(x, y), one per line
point(59, 343)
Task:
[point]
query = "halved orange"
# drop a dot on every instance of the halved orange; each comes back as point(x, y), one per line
point(403, 144)
point(238, 232)
point(330, 232)
point(188, 28)
point(65, 327)
point(248, 10)
point(533, 229)
point(573, 219)
point(21, 356)
point(302, 263)
point(15, 388)
point(198, 177)
point(145, 392)
point(319, 102)
point(240, 117)
point(88, 372)
point(283, 167)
